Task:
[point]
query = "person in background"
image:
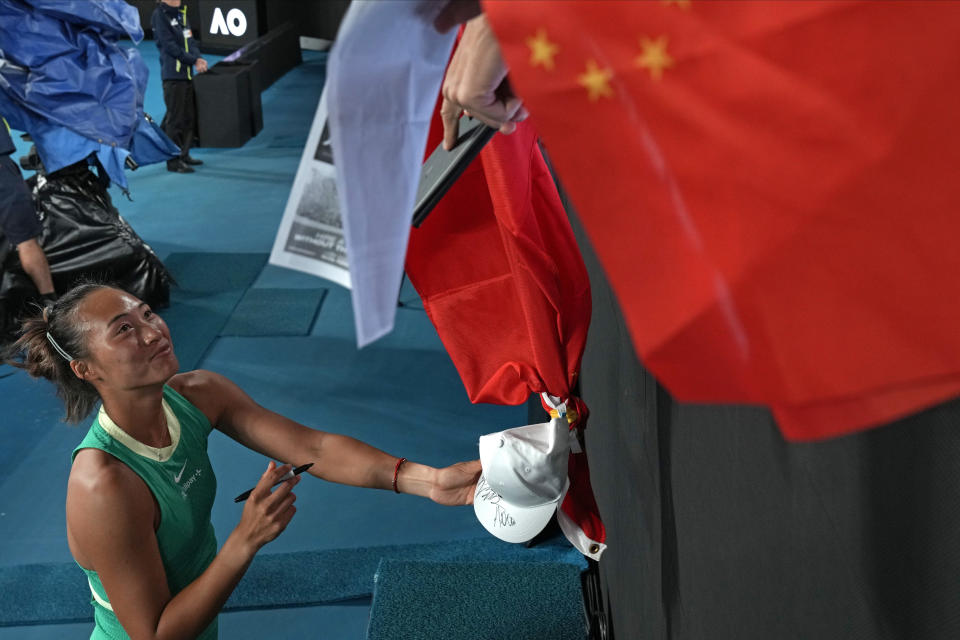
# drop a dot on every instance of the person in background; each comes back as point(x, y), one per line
point(179, 53)
point(141, 487)
point(19, 221)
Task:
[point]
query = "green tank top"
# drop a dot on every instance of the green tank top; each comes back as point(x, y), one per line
point(182, 481)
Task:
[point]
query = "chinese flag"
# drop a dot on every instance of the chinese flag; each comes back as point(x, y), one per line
point(771, 187)
point(501, 278)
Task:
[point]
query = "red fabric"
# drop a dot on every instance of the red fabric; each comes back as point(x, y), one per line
point(777, 212)
point(501, 278)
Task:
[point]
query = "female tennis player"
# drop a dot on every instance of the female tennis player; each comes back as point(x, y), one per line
point(141, 487)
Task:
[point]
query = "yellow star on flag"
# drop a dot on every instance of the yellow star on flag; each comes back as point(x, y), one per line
point(596, 81)
point(654, 57)
point(542, 51)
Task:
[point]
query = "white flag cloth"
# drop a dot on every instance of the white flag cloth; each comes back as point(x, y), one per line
point(384, 77)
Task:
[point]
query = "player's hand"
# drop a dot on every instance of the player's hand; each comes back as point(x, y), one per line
point(266, 514)
point(456, 484)
point(201, 65)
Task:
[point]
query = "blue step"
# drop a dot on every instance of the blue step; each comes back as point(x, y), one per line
point(423, 600)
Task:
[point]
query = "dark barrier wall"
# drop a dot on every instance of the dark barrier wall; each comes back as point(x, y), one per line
point(229, 111)
point(718, 528)
point(314, 18)
point(228, 95)
point(274, 53)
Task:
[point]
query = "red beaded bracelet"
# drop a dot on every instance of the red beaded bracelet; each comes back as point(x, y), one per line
point(396, 474)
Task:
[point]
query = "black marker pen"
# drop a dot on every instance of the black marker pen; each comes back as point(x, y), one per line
point(294, 472)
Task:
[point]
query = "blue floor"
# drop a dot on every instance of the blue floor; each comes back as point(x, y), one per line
point(401, 394)
point(333, 621)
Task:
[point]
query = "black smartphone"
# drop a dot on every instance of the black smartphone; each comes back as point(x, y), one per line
point(443, 167)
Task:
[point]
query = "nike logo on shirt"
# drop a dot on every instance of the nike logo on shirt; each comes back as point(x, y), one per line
point(177, 477)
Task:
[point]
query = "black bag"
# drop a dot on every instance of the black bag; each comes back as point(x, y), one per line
point(83, 237)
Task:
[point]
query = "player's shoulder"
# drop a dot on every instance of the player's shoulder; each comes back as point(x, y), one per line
point(198, 381)
point(208, 391)
point(103, 482)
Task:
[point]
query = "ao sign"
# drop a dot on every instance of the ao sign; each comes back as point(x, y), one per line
point(228, 24)
point(234, 23)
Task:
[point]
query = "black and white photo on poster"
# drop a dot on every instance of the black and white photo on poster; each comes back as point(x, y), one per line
point(310, 237)
point(318, 200)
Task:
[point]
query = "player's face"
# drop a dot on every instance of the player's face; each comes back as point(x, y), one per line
point(128, 345)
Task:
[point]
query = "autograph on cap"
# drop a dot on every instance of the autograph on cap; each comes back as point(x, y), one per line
point(485, 492)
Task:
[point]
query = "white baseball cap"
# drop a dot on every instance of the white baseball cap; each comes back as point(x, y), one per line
point(524, 477)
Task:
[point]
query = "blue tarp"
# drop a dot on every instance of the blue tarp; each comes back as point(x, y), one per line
point(65, 79)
